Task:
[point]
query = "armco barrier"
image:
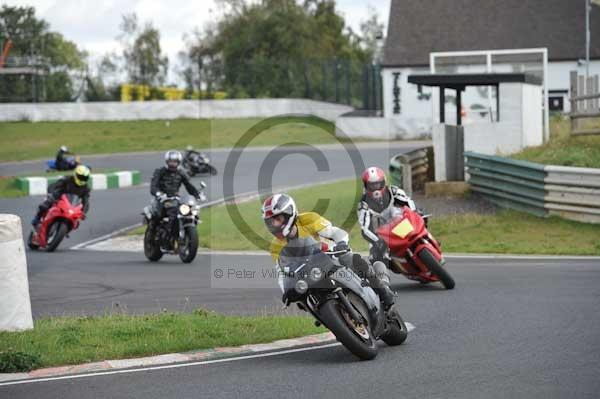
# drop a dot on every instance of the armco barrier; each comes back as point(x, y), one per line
point(98, 181)
point(569, 192)
point(411, 170)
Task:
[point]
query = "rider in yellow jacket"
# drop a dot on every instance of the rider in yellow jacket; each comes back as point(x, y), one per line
point(281, 217)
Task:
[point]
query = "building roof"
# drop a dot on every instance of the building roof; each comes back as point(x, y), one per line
point(419, 27)
point(472, 79)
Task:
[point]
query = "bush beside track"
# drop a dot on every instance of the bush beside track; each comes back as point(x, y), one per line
point(564, 149)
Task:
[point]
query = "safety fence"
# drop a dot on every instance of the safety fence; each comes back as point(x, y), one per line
point(410, 171)
point(585, 104)
point(542, 190)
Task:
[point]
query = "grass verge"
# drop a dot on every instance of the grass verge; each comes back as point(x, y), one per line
point(74, 340)
point(505, 232)
point(564, 149)
point(27, 140)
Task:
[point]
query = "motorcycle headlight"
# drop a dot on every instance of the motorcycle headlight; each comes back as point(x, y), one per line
point(316, 274)
point(301, 286)
point(184, 209)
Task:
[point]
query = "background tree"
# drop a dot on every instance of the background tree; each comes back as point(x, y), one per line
point(274, 48)
point(142, 53)
point(34, 44)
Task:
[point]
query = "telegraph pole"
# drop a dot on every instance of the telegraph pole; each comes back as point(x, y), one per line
point(588, 6)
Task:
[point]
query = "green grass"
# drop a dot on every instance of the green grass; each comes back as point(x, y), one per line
point(8, 184)
point(8, 188)
point(27, 140)
point(564, 149)
point(505, 232)
point(73, 340)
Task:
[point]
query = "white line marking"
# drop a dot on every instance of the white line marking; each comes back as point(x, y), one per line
point(409, 327)
point(170, 366)
point(106, 236)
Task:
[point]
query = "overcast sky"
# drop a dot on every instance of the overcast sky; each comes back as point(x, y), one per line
point(94, 25)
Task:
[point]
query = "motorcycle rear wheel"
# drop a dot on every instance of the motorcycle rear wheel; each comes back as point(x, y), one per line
point(435, 268)
point(397, 332)
point(151, 248)
point(30, 243)
point(331, 316)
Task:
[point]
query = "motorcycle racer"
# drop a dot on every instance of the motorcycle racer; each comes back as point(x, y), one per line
point(377, 197)
point(282, 219)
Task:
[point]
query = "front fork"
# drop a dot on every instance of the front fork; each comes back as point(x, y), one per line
point(185, 221)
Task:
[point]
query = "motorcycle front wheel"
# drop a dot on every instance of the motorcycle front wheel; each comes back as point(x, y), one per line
point(354, 335)
point(189, 247)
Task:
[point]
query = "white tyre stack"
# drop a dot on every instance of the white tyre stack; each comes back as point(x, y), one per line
point(15, 305)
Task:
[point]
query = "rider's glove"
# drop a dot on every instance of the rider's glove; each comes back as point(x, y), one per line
point(160, 196)
point(202, 197)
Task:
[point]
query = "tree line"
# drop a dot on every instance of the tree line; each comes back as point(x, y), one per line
point(270, 48)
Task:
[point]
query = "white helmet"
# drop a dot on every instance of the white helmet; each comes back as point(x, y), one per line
point(173, 159)
point(280, 204)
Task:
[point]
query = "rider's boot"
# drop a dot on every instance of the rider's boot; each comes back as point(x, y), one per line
point(378, 278)
point(385, 293)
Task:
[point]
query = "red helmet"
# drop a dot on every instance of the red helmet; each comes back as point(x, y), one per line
point(374, 182)
point(279, 204)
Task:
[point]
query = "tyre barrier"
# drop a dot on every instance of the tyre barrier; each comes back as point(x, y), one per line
point(15, 303)
point(98, 181)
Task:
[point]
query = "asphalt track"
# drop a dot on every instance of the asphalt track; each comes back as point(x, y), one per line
point(288, 166)
point(511, 328)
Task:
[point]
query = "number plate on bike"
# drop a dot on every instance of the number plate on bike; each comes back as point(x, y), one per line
point(403, 228)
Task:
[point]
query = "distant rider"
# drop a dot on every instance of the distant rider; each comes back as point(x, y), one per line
point(377, 197)
point(75, 184)
point(281, 217)
point(190, 153)
point(167, 180)
point(62, 161)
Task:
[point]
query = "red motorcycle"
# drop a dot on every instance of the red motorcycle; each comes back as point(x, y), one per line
point(413, 251)
point(63, 217)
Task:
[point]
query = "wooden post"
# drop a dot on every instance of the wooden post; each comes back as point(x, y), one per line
point(574, 94)
point(589, 104)
point(596, 91)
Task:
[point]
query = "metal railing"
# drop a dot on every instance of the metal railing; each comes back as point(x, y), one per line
point(542, 190)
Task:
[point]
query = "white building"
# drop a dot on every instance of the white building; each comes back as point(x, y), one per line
point(418, 28)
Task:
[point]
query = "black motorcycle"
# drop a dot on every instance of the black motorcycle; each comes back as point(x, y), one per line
point(338, 298)
point(175, 232)
point(198, 163)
